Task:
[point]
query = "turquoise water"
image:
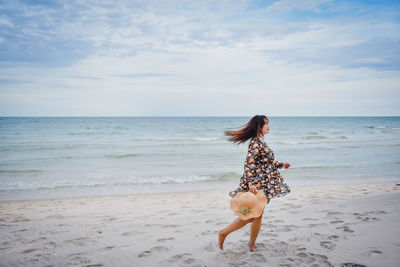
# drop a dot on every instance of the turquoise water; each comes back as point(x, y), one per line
point(83, 156)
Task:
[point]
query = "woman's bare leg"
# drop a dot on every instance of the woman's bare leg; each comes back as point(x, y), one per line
point(254, 230)
point(235, 225)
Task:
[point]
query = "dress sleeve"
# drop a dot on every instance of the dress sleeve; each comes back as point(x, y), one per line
point(278, 164)
point(249, 163)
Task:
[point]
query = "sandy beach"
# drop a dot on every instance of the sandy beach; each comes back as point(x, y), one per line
point(333, 225)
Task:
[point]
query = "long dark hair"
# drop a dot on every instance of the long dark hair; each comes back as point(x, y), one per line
point(251, 129)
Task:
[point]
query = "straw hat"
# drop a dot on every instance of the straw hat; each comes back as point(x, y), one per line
point(248, 205)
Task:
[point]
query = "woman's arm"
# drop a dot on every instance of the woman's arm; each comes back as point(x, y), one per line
point(278, 164)
point(281, 165)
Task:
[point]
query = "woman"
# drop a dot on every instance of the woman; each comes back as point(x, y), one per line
point(260, 173)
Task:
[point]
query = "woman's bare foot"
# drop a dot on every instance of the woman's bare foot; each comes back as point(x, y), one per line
point(252, 248)
point(221, 239)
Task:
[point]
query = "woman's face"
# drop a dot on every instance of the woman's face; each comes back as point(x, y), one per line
point(265, 129)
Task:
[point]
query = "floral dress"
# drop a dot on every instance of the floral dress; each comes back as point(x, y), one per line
point(261, 170)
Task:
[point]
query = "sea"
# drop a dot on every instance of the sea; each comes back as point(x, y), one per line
point(66, 157)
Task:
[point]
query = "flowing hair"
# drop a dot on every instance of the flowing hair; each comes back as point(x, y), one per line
point(251, 129)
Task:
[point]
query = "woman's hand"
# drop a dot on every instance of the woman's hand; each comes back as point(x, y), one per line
point(286, 165)
point(253, 189)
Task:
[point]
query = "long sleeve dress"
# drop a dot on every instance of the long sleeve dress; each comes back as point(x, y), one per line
point(261, 170)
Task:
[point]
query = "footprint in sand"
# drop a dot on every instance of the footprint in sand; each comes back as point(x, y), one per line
point(152, 225)
point(377, 212)
point(293, 206)
point(144, 254)
point(38, 239)
point(29, 250)
point(152, 250)
point(316, 201)
point(55, 216)
point(230, 256)
point(270, 225)
point(288, 228)
point(185, 258)
point(327, 244)
point(319, 256)
point(306, 258)
point(3, 248)
point(165, 239)
point(333, 237)
point(198, 210)
point(350, 264)
point(21, 230)
point(269, 234)
point(212, 246)
point(78, 260)
point(50, 245)
point(257, 257)
point(367, 216)
point(337, 221)
point(208, 232)
point(131, 233)
point(375, 252)
point(345, 229)
point(108, 248)
point(173, 226)
point(81, 241)
point(21, 219)
point(309, 219)
point(314, 225)
point(334, 213)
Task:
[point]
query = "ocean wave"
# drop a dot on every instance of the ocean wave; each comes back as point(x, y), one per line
point(123, 156)
point(24, 147)
point(21, 171)
point(319, 167)
point(314, 141)
point(179, 139)
point(383, 127)
point(224, 176)
point(79, 183)
point(311, 137)
point(315, 137)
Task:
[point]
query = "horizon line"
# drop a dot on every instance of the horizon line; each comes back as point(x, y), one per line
point(178, 116)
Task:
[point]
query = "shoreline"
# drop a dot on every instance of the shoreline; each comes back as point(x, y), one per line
point(326, 225)
point(189, 191)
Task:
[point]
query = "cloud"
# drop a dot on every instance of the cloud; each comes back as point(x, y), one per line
point(5, 22)
point(117, 55)
point(141, 75)
point(4, 81)
point(304, 5)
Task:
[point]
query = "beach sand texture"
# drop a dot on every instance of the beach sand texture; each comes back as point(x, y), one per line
point(333, 225)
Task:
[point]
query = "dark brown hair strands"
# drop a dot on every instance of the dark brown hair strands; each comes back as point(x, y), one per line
point(252, 129)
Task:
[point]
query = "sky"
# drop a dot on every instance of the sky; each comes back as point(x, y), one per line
point(199, 58)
